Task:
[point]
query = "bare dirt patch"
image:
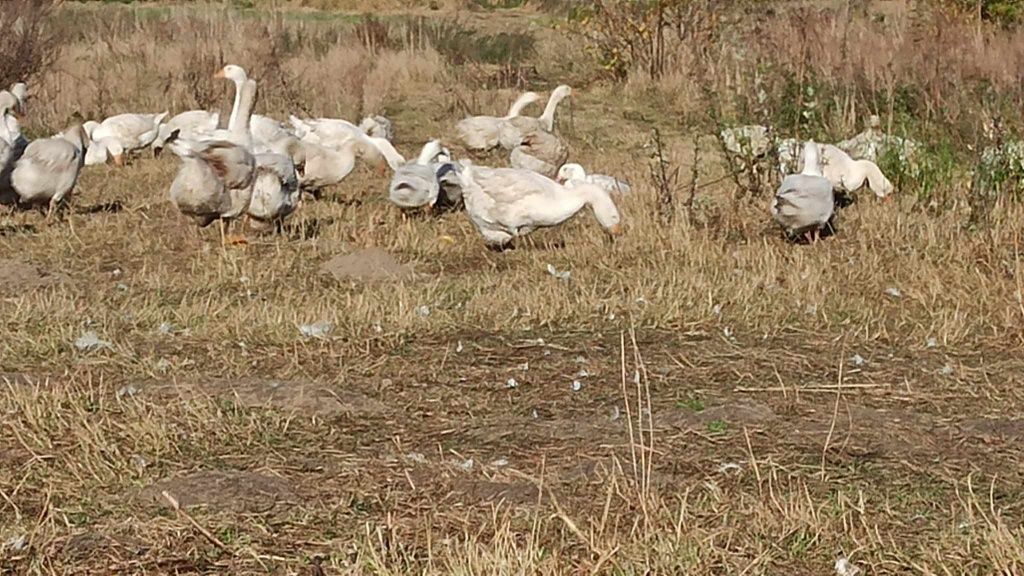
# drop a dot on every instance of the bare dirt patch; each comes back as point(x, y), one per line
point(366, 265)
point(739, 413)
point(19, 277)
point(301, 397)
point(994, 429)
point(227, 490)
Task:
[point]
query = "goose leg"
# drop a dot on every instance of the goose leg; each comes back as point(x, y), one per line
point(234, 239)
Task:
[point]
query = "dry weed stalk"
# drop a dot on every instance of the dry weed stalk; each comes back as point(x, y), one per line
point(28, 44)
point(641, 436)
point(664, 176)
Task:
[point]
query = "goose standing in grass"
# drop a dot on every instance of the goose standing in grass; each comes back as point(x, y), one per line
point(572, 175)
point(415, 184)
point(513, 131)
point(804, 203)
point(275, 193)
point(216, 177)
point(262, 129)
point(541, 152)
point(506, 203)
point(481, 133)
point(129, 131)
point(849, 175)
point(47, 171)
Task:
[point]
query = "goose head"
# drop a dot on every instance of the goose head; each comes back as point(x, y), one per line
point(232, 72)
point(561, 93)
point(20, 91)
point(8, 103)
point(90, 127)
point(571, 172)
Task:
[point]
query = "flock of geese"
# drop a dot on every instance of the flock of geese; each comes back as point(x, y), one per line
point(254, 168)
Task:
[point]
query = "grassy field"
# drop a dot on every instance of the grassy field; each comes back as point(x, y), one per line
point(699, 396)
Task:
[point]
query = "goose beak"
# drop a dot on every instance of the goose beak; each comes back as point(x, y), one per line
point(615, 230)
point(118, 160)
point(887, 199)
point(219, 74)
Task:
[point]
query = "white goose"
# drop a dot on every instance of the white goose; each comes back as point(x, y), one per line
point(262, 129)
point(47, 171)
point(572, 175)
point(190, 125)
point(505, 203)
point(415, 184)
point(275, 193)
point(378, 127)
point(514, 130)
point(130, 131)
point(481, 132)
point(10, 128)
point(541, 152)
point(804, 203)
point(849, 175)
point(327, 166)
point(216, 177)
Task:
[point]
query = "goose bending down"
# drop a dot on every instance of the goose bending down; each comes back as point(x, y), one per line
point(481, 132)
point(572, 175)
point(849, 175)
point(129, 131)
point(102, 151)
point(47, 171)
point(804, 203)
point(326, 166)
point(514, 130)
point(216, 177)
point(505, 203)
point(416, 184)
point(541, 152)
point(334, 133)
point(190, 125)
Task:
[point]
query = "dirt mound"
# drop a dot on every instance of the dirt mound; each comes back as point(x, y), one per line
point(366, 265)
point(18, 277)
point(233, 490)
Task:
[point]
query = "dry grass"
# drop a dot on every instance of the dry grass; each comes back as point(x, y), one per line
point(745, 448)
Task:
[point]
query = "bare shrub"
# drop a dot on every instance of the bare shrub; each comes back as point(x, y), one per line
point(28, 44)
